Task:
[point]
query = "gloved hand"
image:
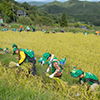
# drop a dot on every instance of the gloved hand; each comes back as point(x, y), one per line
point(50, 65)
point(78, 94)
point(34, 58)
point(51, 76)
point(48, 70)
point(17, 65)
point(42, 63)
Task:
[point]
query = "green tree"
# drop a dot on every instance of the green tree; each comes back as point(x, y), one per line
point(7, 19)
point(64, 22)
point(25, 5)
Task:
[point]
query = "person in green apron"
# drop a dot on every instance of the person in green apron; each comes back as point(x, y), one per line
point(14, 30)
point(6, 50)
point(92, 80)
point(28, 29)
point(42, 62)
point(57, 69)
point(24, 55)
point(33, 29)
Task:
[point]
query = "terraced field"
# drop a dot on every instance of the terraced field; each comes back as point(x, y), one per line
point(82, 51)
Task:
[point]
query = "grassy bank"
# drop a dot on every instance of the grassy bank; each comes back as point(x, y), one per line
point(56, 28)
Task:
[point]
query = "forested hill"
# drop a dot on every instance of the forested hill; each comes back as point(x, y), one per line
point(75, 10)
point(32, 3)
point(71, 7)
point(90, 11)
point(9, 8)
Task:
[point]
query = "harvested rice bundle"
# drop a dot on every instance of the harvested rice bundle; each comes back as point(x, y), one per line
point(12, 64)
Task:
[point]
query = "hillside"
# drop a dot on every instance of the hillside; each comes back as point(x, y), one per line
point(32, 3)
point(74, 9)
point(71, 7)
point(9, 8)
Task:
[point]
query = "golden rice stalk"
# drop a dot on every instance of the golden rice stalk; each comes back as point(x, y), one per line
point(47, 74)
point(59, 81)
point(12, 64)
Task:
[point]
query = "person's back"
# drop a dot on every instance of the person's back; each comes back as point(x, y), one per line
point(4, 29)
point(73, 71)
point(61, 30)
point(43, 30)
point(89, 77)
point(27, 28)
point(63, 61)
point(31, 51)
point(27, 52)
point(33, 29)
point(14, 30)
point(53, 31)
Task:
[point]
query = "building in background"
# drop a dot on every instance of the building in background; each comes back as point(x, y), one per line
point(21, 13)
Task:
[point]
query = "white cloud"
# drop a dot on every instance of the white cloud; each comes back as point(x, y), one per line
point(91, 0)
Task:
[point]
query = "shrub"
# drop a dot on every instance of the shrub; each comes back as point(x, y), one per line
point(32, 17)
point(7, 19)
point(44, 21)
point(14, 25)
point(24, 20)
point(79, 24)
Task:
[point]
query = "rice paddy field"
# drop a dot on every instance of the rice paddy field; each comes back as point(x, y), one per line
point(82, 51)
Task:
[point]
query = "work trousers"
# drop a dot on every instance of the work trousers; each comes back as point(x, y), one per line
point(33, 61)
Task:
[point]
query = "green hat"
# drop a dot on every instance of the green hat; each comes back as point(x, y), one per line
point(14, 45)
point(1, 48)
point(74, 67)
point(14, 50)
point(41, 59)
point(95, 33)
point(78, 72)
point(7, 48)
point(46, 55)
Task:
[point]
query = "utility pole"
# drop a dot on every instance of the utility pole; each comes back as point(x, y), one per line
point(84, 3)
point(13, 12)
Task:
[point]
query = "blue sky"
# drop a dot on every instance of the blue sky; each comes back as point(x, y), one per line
point(51, 0)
